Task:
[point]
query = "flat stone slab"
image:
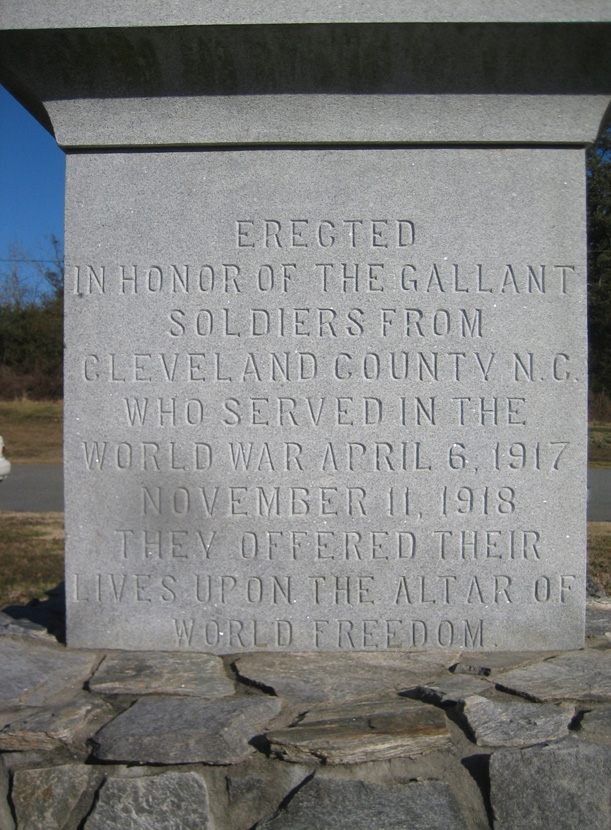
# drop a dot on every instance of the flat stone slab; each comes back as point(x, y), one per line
point(598, 619)
point(596, 725)
point(54, 798)
point(185, 730)
point(138, 673)
point(500, 723)
point(242, 794)
point(68, 724)
point(33, 672)
point(6, 816)
point(346, 805)
point(580, 675)
point(312, 678)
point(559, 787)
point(22, 628)
point(362, 732)
point(168, 801)
point(450, 689)
point(484, 664)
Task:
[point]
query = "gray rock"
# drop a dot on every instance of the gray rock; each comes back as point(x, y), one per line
point(68, 724)
point(41, 618)
point(168, 801)
point(54, 798)
point(361, 732)
point(564, 786)
point(37, 759)
point(242, 794)
point(172, 119)
point(450, 689)
point(24, 628)
point(312, 678)
point(346, 805)
point(329, 587)
point(33, 672)
point(595, 589)
point(598, 619)
point(581, 675)
point(185, 730)
point(484, 664)
point(178, 544)
point(596, 725)
point(6, 816)
point(140, 673)
point(501, 723)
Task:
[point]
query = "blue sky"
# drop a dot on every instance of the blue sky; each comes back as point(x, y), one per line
point(31, 181)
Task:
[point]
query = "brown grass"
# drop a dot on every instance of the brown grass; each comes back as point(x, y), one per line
point(31, 555)
point(599, 445)
point(599, 553)
point(32, 431)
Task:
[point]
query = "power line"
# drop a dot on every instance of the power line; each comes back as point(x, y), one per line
point(16, 259)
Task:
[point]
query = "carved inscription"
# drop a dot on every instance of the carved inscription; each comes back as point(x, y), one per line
point(327, 430)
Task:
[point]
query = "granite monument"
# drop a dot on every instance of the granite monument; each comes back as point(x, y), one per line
point(326, 376)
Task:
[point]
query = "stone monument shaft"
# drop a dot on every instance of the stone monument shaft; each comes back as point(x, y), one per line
point(325, 369)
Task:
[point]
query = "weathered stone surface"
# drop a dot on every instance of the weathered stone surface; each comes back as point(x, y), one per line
point(598, 619)
point(33, 672)
point(312, 678)
point(559, 787)
point(192, 13)
point(594, 589)
point(505, 217)
point(38, 758)
point(168, 801)
point(201, 675)
point(449, 689)
point(242, 794)
point(361, 732)
point(596, 725)
point(582, 675)
point(68, 724)
point(484, 664)
point(185, 730)
point(6, 816)
point(505, 723)
point(54, 798)
point(22, 628)
point(44, 619)
point(251, 59)
point(345, 805)
point(360, 114)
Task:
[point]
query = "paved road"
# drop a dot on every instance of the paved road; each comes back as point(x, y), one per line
point(599, 495)
point(33, 487)
point(40, 487)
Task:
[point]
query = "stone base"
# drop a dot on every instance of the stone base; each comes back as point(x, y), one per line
point(424, 740)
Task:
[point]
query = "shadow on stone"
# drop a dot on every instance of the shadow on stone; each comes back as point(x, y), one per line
point(478, 767)
point(261, 744)
point(49, 613)
point(456, 715)
point(284, 803)
point(247, 681)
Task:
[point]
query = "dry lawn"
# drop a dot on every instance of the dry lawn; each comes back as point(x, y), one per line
point(32, 431)
point(599, 553)
point(599, 445)
point(31, 555)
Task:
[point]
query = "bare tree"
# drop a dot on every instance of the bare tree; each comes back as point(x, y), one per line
point(52, 269)
point(27, 277)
